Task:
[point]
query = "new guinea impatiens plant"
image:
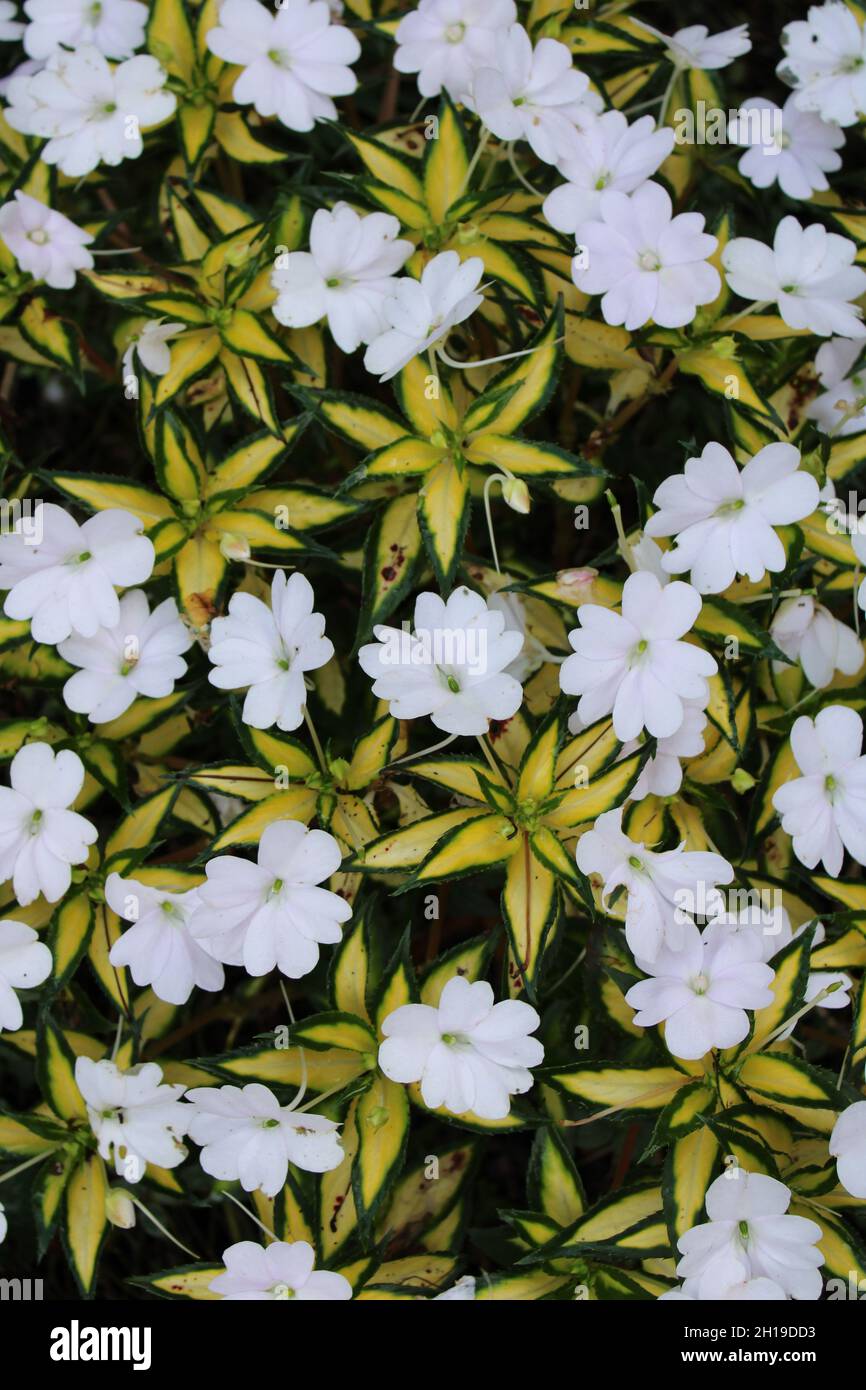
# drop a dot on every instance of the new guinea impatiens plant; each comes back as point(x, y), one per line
point(433, 806)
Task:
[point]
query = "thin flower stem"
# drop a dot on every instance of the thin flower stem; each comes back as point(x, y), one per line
point(485, 361)
point(488, 753)
point(493, 478)
point(293, 1104)
point(423, 753)
point(667, 96)
point(117, 1036)
point(473, 163)
point(624, 548)
point(795, 1018)
point(325, 1095)
point(116, 251)
point(320, 752)
point(261, 1225)
point(137, 1202)
point(28, 1163)
point(756, 307)
point(536, 192)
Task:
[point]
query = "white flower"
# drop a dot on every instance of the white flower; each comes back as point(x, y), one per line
point(151, 347)
point(134, 1115)
point(799, 156)
point(25, 962)
point(281, 1270)
point(723, 518)
point(657, 884)
point(115, 27)
point(40, 838)
point(461, 1292)
point(726, 1279)
point(809, 273)
point(608, 154)
point(89, 112)
point(469, 1054)
point(294, 60)
point(246, 1136)
point(807, 632)
point(824, 811)
point(65, 583)
point(272, 914)
point(159, 947)
point(420, 313)
point(825, 61)
point(662, 774)
point(848, 1147)
point(10, 30)
point(702, 990)
point(140, 655)
point(451, 667)
point(44, 242)
point(269, 649)
point(533, 94)
point(445, 41)
point(533, 653)
point(646, 263)
point(344, 277)
point(747, 1223)
point(696, 47)
point(634, 665)
point(836, 412)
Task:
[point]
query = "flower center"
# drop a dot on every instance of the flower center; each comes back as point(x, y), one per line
point(454, 1039)
point(107, 109)
point(699, 983)
point(112, 1115)
point(283, 663)
point(276, 887)
point(453, 684)
point(35, 822)
point(648, 260)
point(728, 508)
point(602, 182)
point(270, 1124)
point(639, 652)
point(281, 1291)
point(39, 237)
point(333, 284)
point(635, 863)
point(94, 14)
point(80, 559)
point(454, 33)
point(171, 911)
point(281, 58)
point(830, 785)
point(744, 1232)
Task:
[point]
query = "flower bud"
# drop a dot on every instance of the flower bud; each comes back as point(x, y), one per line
point(516, 494)
point(120, 1209)
point(234, 546)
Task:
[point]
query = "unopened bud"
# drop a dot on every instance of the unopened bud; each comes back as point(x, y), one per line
point(119, 1208)
point(234, 546)
point(516, 494)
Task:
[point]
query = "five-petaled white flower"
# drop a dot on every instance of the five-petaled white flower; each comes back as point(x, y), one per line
point(345, 276)
point(645, 262)
point(159, 948)
point(246, 1136)
point(151, 346)
point(421, 313)
point(115, 27)
point(808, 272)
point(748, 1224)
point(136, 1119)
point(659, 884)
point(89, 112)
point(800, 152)
point(825, 62)
point(445, 41)
point(281, 1270)
point(140, 655)
point(607, 154)
point(452, 666)
point(269, 649)
point(634, 664)
point(533, 94)
point(841, 409)
point(40, 838)
point(723, 517)
point(824, 811)
point(294, 61)
point(65, 581)
point(469, 1053)
point(805, 631)
point(25, 962)
point(702, 990)
point(44, 242)
point(273, 914)
point(696, 47)
point(662, 774)
point(848, 1147)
